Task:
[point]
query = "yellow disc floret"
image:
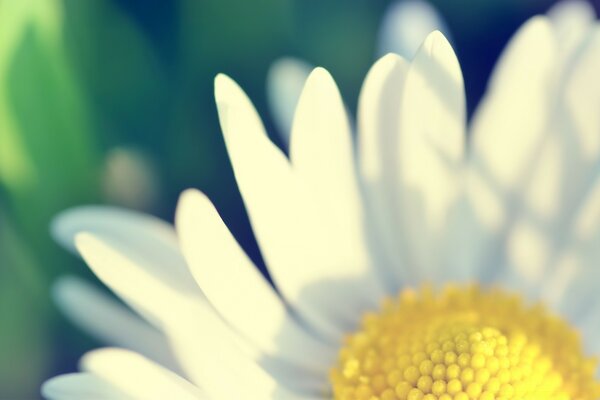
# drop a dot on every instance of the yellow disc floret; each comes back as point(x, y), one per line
point(463, 344)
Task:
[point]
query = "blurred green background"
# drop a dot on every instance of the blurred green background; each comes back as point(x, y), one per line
point(110, 101)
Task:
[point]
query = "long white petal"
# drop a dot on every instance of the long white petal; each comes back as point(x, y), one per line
point(565, 178)
point(140, 236)
point(431, 155)
point(237, 289)
point(322, 157)
point(571, 20)
point(79, 386)
point(109, 321)
point(222, 369)
point(138, 377)
point(577, 218)
point(406, 24)
point(285, 81)
point(553, 166)
point(205, 347)
point(516, 106)
point(288, 223)
point(508, 127)
point(378, 127)
point(582, 96)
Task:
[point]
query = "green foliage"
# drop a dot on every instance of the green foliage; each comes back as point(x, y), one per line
point(48, 161)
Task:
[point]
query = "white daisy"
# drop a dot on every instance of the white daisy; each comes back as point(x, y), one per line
point(514, 203)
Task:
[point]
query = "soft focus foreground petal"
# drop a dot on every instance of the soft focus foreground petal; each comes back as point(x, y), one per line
point(557, 168)
point(247, 302)
point(571, 217)
point(378, 128)
point(137, 235)
point(572, 287)
point(431, 155)
point(138, 377)
point(507, 128)
point(581, 96)
point(78, 386)
point(298, 242)
point(406, 24)
point(109, 321)
point(222, 368)
point(208, 351)
point(285, 81)
point(578, 224)
point(516, 106)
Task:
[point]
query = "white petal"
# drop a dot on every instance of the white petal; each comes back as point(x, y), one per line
point(141, 237)
point(572, 286)
point(552, 167)
point(571, 20)
point(508, 128)
point(109, 321)
point(143, 287)
point(585, 223)
point(137, 376)
point(405, 26)
point(204, 346)
point(510, 121)
point(293, 237)
point(79, 386)
point(214, 361)
point(564, 179)
point(285, 81)
point(582, 96)
point(573, 274)
point(247, 302)
point(378, 126)
point(571, 12)
point(140, 274)
point(323, 160)
point(431, 154)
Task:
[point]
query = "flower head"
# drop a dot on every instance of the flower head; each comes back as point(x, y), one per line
point(513, 203)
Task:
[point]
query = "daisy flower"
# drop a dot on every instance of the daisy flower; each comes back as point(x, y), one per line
point(421, 263)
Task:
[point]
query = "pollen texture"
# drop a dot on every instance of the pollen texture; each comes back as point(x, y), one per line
point(463, 343)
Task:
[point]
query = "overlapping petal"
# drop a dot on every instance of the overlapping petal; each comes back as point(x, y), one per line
point(307, 253)
point(431, 147)
point(109, 321)
point(247, 302)
point(137, 377)
point(378, 128)
point(83, 385)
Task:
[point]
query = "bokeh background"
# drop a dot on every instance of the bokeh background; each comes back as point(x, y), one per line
point(110, 102)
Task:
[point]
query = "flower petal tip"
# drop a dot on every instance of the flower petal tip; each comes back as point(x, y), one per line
point(188, 200)
point(65, 226)
point(319, 74)
point(226, 90)
point(434, 39)
point(390, 59)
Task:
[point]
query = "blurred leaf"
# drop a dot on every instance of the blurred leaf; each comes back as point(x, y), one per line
point(219, 33)
point(121, 72)
point(47, 154)
point(23, 328)
point(48, 162)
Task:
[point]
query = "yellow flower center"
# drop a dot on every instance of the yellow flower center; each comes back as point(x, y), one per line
point(463, 344)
